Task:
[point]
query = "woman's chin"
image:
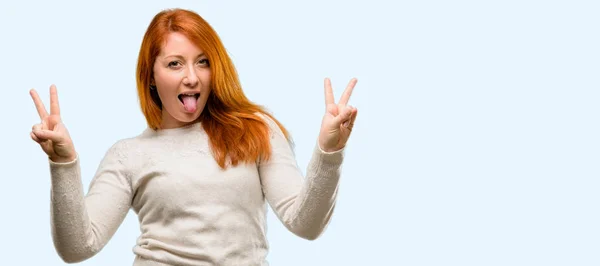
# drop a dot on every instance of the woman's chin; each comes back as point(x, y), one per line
point(186, 117)
point(180, 118)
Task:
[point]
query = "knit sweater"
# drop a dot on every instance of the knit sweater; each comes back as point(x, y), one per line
point(191, 212)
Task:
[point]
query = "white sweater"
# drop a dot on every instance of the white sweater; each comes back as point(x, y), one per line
point(191, 212)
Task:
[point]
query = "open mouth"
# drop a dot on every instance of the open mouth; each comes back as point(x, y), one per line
point(189, 101)
point(183, 96)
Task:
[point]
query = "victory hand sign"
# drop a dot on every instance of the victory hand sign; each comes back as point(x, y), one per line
point(338, 119)
point(51, 133)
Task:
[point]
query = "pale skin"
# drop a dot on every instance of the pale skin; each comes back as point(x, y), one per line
point(181, 67)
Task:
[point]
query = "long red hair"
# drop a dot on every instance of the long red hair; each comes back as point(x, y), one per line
point(236, 131)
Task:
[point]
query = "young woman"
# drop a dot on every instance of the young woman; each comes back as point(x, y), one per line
point(200, 175)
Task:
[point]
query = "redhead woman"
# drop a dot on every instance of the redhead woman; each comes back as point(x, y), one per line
point(200, 176)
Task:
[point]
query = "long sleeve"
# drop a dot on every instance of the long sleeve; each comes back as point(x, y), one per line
point(82, 225)
point(304, 205)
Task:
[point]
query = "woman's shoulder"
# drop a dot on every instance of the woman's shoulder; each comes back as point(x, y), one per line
point(127, 154)
point(128, 146)
point(276, 128)
point(269, 119)
point(122, 148)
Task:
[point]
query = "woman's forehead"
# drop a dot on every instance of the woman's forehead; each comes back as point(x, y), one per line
point(177, 44)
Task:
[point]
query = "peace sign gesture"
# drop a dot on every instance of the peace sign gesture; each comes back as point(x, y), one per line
point(51, 133)
point(338, 119)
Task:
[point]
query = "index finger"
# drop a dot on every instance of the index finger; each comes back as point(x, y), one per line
point(39, 105)
point(328, 92)
point(346, 96)
point(54, 107)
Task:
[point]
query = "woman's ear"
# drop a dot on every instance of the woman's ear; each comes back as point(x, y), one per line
point(152, 84)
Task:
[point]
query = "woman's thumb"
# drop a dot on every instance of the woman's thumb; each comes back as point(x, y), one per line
point(44, 134)
point(344, 115)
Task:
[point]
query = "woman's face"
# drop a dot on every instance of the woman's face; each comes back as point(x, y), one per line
point(182, 79)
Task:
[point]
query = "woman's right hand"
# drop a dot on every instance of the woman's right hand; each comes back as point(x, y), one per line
point(51, 133)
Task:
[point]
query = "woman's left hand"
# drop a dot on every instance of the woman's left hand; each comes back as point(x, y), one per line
point(338, 119)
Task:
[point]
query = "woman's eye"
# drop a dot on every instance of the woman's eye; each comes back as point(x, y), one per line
point(173, 64)
point(203, 62)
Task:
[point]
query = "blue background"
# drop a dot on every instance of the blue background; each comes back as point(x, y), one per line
point(476, 141)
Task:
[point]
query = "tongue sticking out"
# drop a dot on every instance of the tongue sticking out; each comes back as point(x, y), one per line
point(189, 103)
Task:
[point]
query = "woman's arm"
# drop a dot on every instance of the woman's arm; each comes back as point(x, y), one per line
point(83, 225)
point(303, 204)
